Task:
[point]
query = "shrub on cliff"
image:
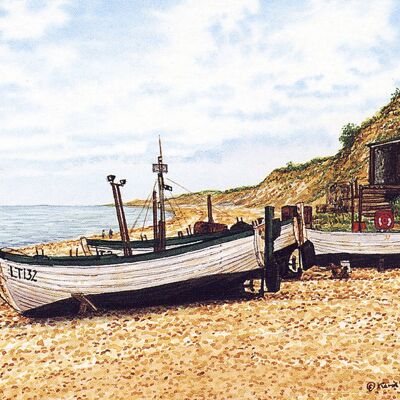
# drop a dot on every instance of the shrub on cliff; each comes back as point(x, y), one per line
point(395, 95)
point(348, 135)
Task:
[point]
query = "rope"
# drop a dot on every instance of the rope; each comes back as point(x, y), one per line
point(198, 196)
point(145, 219)
point(141, 210)
point(180, 211)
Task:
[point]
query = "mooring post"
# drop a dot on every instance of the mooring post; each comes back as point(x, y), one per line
point(271, 268)
point(352, 204)
point(360, 206)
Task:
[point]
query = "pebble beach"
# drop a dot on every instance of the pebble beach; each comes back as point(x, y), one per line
point(318, 338)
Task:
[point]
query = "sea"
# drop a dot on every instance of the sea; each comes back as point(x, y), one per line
point(27, 225)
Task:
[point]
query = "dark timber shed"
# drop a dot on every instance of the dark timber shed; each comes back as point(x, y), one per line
point(384, 163)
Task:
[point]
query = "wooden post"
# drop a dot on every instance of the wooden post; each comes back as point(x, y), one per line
point(360, 194)
point(356, 187)
point(352, 204)
point(272, 275)
point(301, 227)
point(155, 218)
point(209, 209)
point(371, 172)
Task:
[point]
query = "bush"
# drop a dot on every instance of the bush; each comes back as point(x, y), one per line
point(348, 135)
point(395, 95)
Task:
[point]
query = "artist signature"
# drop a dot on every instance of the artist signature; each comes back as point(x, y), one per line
point(371, 386)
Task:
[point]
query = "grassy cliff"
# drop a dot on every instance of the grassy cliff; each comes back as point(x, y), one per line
point(308, 182)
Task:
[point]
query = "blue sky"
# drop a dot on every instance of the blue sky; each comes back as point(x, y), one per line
point(234, 88)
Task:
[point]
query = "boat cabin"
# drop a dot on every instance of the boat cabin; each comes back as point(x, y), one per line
point(384, 163)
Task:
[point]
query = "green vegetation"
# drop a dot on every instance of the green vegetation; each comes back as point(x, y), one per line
point(239, 189)
point(395, 95)
point(201, 193)
point(291, 166)
point(337, 222)
point(348, 135)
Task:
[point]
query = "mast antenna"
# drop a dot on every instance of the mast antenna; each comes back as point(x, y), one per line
point(159, 143)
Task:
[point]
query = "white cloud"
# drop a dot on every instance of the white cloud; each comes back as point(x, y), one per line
point(22, 21)
point(221, 72)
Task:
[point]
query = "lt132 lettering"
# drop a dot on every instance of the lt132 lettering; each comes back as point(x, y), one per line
point(23, 273)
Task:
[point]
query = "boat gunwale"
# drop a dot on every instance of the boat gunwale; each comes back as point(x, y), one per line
point(107, 259)
point(117, 244)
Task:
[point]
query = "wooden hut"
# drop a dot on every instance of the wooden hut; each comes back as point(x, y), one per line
point(384, 163)
point(384, 177)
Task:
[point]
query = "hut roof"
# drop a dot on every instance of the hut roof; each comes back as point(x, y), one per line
point(384, 142)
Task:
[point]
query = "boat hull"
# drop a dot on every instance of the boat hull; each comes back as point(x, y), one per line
point(28, 284)
point(223, 286)
point(361, 249)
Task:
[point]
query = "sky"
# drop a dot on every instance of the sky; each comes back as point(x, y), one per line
point(234, 88)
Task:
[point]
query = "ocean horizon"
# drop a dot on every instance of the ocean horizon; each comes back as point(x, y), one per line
point(25, 225)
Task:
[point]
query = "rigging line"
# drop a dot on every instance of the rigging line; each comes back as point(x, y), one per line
point(145, 219)
point(139, 215)
point(180, 210)
point(182, 215)
point(197, 195)
point(147, 211)
point(173, 210)
point(141, 210)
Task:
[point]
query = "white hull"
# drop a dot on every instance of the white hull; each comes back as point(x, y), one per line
point(55, 283)
point(354, 243)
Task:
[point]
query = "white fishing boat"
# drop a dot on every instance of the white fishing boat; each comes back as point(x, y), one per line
point(364, 249)
point(363, 243)
point(36, 283)
point(42, 284)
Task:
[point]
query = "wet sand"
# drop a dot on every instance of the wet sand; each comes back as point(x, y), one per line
point(317, 339)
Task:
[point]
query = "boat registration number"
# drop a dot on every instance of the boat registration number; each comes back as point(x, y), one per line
point(23, 273)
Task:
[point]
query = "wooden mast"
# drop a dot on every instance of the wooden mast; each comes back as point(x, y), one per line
point(123, 228)
point(160, 169)
point(155, 221)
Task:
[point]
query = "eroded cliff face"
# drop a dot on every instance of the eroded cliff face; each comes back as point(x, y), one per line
point(308, 182)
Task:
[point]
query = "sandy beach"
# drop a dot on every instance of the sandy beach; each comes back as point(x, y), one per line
point(317, 339)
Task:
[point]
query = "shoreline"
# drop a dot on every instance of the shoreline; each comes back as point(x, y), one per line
point(182, 217)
